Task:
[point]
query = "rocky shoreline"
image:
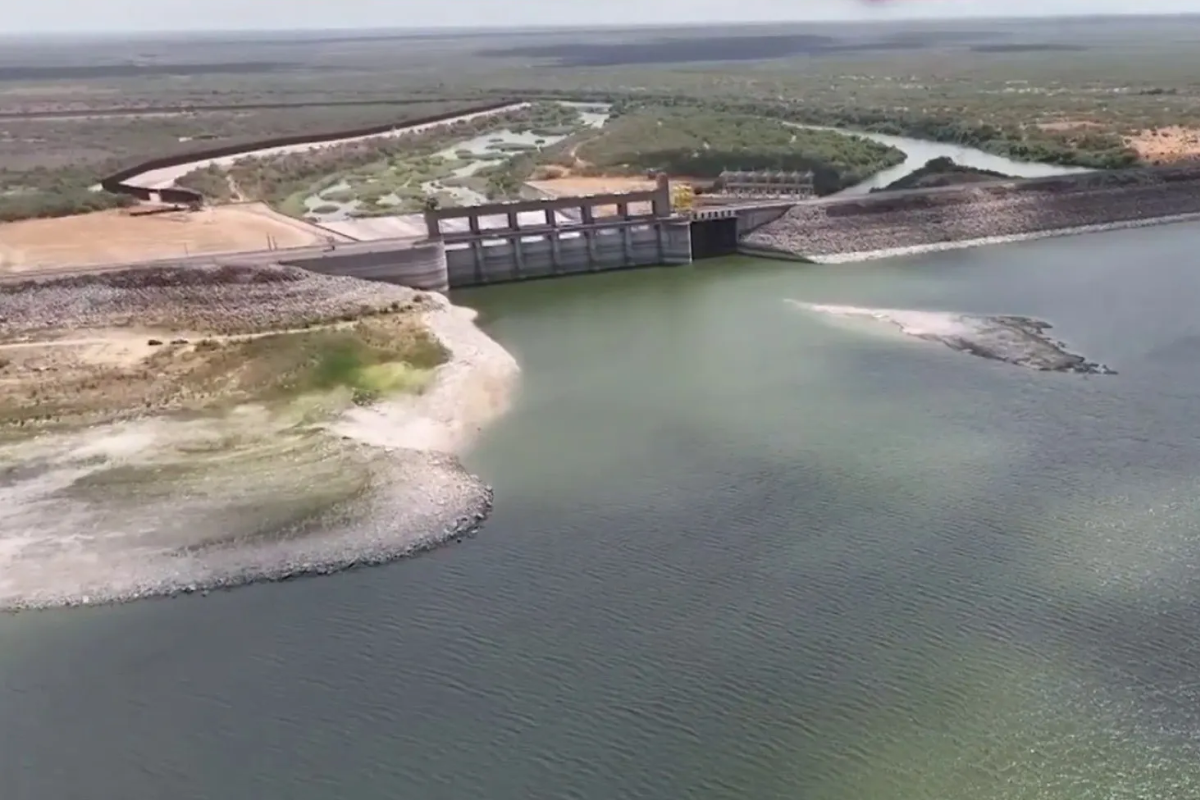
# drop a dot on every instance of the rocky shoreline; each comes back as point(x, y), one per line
point(162, 506)
point(430, 501)
point(893, 223)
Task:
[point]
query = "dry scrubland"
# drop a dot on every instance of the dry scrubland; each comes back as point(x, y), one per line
point(1166, 145)
point(1078, 91)
point(47, 165)
point(1092, 92)
point(107, 346)
point(117, 237)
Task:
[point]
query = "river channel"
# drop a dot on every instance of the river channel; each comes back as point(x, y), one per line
point(919, 152)
point(738, 551)
point(483, 150)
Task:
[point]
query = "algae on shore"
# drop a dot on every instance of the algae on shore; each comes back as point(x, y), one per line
point(230, 451)
point(159, 506)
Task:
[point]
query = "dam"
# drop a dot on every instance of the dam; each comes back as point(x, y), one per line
point(502, 242)
point(467, 246)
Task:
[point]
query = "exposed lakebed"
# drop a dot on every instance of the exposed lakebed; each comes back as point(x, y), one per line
point(1017, 340)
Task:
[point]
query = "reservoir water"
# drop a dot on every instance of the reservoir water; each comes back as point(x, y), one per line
point(738, 551)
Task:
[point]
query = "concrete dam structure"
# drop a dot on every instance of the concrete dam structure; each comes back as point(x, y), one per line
point(504, 242)
point(528, 239)
point(561, 236)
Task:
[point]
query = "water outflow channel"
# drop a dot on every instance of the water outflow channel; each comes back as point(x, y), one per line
point(918, 151)
point(921, 151)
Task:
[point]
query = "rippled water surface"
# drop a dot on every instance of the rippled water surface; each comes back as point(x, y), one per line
point(738, 552)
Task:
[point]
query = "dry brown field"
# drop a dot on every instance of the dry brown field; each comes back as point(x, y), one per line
point(118, 237)
point(1164, 145)
point(572, 186)
point(564, 187)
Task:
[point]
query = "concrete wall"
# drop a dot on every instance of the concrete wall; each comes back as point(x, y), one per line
point(476, 263)
point(421, 266)
point(752, 219)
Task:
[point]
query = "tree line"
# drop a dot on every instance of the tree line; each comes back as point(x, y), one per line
point(702, 142)
point(1018, 139)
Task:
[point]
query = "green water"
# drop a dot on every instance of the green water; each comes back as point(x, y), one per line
point(738, 551)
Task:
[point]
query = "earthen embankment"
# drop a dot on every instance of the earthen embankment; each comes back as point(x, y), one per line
point(887, 223)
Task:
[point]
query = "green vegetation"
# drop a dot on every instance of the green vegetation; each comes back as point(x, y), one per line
point(1074, 98)
point(504, 180)
point(1023, 142)
point(361, 361)
point(1091, 147)
point(49, 166)
point(366, 359)
point(385, 174)
point(211, 181)
point(36, 203)
point(701, 142)
point(549, 119)
point(941, 172)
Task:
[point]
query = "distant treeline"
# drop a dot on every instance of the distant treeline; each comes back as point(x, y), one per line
point(703, 142)
point(1020, 141)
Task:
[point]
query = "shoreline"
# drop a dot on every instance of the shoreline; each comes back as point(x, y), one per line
point(469, 391)
point(760, 251)
point(288, 498)
point(886, 224)
point(1079, 230)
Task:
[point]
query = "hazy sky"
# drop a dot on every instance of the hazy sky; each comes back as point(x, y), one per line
point(70, 16)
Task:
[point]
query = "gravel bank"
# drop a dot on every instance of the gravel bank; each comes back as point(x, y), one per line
point(162, 506)
point(892, 224)
point(202, 299)
point(88, 522)
point(1021, 341)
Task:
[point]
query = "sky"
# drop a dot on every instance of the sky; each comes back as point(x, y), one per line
point(116, 16)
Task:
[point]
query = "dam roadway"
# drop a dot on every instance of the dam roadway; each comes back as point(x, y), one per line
point(342, 248)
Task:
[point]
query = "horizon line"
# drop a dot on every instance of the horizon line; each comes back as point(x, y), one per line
point(587, 27)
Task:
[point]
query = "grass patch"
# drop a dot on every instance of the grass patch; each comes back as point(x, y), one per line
point(294, 205)
point(371, 359)
point(355, 362)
